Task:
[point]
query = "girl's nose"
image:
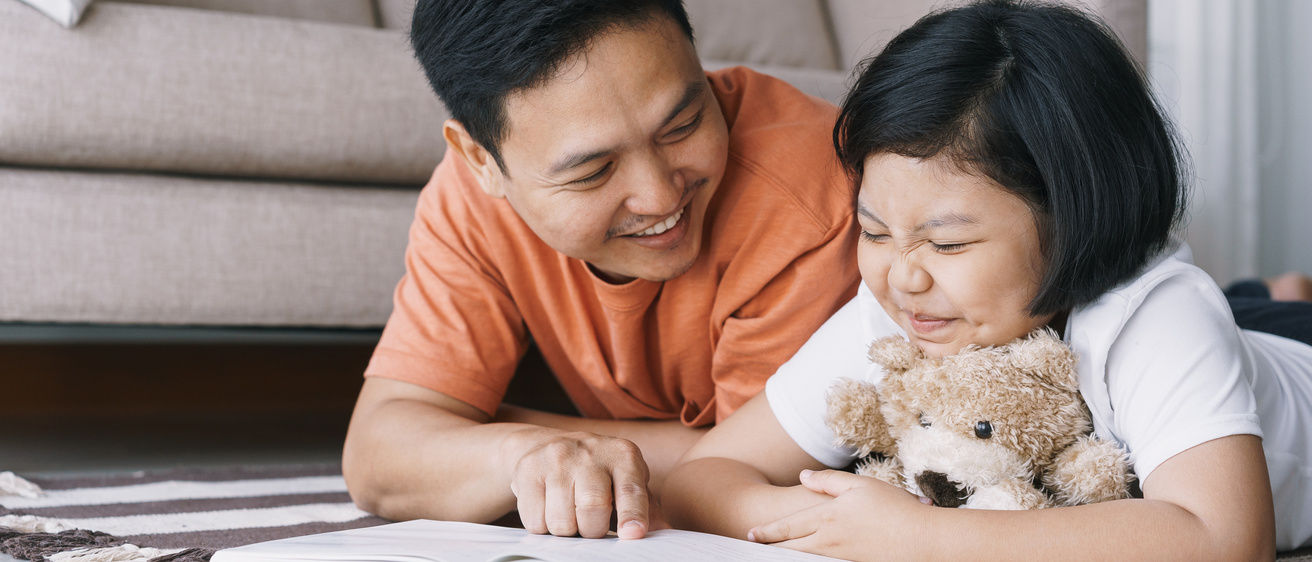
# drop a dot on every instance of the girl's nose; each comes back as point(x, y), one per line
point(905, 275)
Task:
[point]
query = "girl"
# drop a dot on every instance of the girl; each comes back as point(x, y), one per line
point(1014, 172)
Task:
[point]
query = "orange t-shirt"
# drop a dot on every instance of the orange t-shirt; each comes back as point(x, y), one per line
point(778, 258)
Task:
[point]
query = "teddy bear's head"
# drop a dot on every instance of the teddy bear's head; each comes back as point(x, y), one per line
point(966, 423)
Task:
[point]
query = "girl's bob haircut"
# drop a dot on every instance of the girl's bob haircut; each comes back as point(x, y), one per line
point(1044, 101)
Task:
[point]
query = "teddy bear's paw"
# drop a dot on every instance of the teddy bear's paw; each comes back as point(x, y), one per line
point(1090, 471)
point(887, 470)
point(1010, 494)
point(895, 354)
point(853, 414)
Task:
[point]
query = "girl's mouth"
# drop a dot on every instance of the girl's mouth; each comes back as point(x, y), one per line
point(925, 324)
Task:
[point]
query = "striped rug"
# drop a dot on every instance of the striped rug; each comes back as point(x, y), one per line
point(181, 514)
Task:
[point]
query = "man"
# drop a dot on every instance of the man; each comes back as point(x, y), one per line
point(666, 237)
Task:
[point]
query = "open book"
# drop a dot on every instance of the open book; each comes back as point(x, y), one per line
point(443, 541)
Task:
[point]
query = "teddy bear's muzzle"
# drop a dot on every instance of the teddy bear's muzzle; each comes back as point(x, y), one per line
point(945, 493)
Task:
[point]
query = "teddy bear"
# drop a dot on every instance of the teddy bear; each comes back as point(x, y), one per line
point(999, 427)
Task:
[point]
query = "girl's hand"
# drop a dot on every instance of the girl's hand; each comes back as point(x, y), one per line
point(867, 518)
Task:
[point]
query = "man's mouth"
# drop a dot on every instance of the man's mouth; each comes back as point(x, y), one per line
point(662, 226)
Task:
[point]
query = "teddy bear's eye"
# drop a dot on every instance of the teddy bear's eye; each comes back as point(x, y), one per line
point(983, 429)
point(923, 422)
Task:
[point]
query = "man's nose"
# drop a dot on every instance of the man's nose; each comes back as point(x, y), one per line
point(657, 190)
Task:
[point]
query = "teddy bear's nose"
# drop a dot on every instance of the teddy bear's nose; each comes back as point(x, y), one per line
point(945, 493)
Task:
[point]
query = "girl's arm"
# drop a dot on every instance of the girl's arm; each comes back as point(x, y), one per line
point(742, 473)
point(1210, 502)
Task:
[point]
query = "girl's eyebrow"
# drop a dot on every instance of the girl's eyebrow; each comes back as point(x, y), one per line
point(950, 219)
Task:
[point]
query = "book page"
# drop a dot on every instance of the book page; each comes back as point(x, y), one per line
point(443, 541)
point(658, 546)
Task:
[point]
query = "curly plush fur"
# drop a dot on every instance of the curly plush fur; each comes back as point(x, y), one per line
point(990, 428)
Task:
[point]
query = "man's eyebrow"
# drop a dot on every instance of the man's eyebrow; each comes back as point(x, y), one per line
point(576, 160)
point(690, 94)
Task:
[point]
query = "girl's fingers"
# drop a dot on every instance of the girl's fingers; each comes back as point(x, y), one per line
point(798, 525)
point(833, 482)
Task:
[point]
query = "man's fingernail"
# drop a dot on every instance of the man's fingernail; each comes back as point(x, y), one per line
point(632, 530)
point(807, 473)
point(751, 536)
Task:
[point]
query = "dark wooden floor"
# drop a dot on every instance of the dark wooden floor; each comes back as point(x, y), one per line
point(74, 408)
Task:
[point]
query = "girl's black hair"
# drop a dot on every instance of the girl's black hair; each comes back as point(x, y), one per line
point(1046, 102)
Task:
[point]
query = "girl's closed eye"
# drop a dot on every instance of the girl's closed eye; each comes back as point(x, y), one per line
point(873, 237)
point(948, 248)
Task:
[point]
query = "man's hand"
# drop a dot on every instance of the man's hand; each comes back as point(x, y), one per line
point(566, 483)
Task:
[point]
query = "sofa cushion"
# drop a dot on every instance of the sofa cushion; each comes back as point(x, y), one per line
point(150, 88)
point(66, 12)
point(352, 12)
point(769, 32)
point(127, 248)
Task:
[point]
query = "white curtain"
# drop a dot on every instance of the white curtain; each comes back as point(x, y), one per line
point(1203, 60)
point(1236, 76)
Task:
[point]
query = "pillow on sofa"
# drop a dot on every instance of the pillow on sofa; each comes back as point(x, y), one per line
point(66, 12)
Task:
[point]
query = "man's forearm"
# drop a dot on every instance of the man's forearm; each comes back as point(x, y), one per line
point(727, 497)
point(409, 459)
point(661, 442)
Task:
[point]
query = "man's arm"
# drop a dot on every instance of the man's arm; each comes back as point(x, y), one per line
point(412, 452)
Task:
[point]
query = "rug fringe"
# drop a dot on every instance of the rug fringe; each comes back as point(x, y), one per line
point(122, 553)
point(188, 555)
point(34, 524)
point(37, 546)
point(14, 485)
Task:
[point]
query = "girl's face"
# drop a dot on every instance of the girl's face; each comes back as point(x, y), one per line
point(952, 257)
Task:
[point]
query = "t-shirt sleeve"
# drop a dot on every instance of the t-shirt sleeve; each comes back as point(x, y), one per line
point(796, 392)
point(454, 327)
point(774, 323)
point(1175, 373)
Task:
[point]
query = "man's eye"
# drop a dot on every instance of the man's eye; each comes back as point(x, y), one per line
point(594, 177)
point(686, 129)
point(873, 237)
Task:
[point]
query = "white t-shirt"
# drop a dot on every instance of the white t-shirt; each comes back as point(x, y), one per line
point(1162, 367)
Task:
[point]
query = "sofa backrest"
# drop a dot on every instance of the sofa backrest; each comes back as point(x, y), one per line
point(862, 27)
point(350, 12)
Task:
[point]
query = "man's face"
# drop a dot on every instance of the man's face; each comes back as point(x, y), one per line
point(614, 160)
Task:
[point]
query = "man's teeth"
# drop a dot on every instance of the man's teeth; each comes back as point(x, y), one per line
point(662, 226)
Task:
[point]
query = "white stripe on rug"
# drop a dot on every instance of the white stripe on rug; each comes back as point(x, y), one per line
point(222, 520)
point(179, 490)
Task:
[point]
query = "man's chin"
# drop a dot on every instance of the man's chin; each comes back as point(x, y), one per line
point(655, 272)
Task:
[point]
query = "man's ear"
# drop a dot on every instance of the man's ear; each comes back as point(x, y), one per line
point(478, 159)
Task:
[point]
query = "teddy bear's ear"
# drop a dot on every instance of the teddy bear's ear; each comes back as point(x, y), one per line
point(894, 354)
point(1043, 354)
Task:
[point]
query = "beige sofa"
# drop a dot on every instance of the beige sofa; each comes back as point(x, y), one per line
point(256, 162)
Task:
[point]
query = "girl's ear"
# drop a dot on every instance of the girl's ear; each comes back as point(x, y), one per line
point(484, 167)
point(895, 354)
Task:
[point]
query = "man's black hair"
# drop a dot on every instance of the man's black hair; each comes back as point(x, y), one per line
point(478, 52)
point(1046, 102)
